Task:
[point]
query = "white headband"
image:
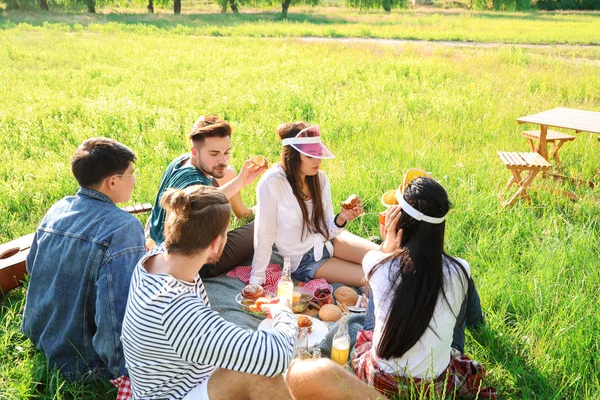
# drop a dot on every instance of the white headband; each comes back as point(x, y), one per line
point(301, 140)
point(413, 212)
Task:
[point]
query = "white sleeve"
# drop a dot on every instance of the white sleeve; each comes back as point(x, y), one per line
point(265, 229)
point(332, 228)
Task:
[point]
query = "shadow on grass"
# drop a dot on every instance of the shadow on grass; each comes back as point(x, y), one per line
point(524, 381)
point(170, 21)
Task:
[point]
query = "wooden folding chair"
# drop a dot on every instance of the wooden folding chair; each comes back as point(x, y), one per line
point(518, 163)
point(554, 138)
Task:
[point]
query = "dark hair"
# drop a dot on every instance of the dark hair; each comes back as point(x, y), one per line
point(209, 126)
point(418, 281)
point(290, 160)
point(98, 158)
point(196, 215)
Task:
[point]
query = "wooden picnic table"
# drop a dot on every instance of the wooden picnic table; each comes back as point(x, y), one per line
point(578, 120)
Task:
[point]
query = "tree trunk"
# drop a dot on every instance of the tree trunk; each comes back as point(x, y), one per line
point(234, 6)
point(177, 7)
point(150, 6)
point(91, 4)
point(386, 4)
point(43, 5)
point(13, 5)
point(223, 8)
point(284, 8)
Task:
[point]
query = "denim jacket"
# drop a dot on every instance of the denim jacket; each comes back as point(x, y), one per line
point(80, 265)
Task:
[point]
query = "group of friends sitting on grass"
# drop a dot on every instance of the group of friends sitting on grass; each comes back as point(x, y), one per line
point(100, 305)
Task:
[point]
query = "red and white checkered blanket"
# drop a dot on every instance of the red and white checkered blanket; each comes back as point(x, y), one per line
point(272, 277)
point(124, 385)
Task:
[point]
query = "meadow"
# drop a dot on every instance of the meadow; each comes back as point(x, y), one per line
point(382, 109)
point(336, 22)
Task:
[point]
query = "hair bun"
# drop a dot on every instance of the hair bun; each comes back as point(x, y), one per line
point(177, 201)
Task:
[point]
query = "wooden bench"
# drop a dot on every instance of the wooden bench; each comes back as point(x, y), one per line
point(555, 138)
point(14, 253)
point(517, 163)
point(138, 208)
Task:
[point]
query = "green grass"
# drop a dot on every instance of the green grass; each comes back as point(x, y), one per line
point(419, 24)
point(382, 110)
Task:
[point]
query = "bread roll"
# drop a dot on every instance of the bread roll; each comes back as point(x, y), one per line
point(346, 295)
point(330, 313)
point(252, 292)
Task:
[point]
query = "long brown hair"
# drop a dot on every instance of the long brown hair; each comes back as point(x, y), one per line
point(196, 215)
point(290, 160)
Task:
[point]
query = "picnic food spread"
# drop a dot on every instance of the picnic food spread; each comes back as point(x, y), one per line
point(352, 201)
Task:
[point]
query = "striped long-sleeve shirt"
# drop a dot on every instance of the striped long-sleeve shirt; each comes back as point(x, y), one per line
point(173, 340)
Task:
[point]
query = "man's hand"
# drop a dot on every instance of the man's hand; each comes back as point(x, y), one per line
point(278, 303)
point(391, 237)
point(250, 172)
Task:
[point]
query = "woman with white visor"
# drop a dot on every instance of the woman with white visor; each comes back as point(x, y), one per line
point(295, 212)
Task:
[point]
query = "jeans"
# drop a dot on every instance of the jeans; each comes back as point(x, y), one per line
point(470, 314)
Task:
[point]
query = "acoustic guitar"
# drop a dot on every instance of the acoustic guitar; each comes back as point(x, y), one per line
point(14, 253)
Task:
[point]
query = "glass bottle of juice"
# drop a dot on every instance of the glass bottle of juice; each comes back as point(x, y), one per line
point(301, 349)
point(285, 287)
point(340, 347)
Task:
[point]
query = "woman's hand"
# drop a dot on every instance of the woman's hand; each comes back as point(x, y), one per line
point(350, 214)
point(391, 236)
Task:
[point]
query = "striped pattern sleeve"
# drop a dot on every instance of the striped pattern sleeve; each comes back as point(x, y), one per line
point(200, 335)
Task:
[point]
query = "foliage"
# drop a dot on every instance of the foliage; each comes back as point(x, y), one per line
point(371, 4)
point(568, 4)
point(143, 80)
point(463, 26)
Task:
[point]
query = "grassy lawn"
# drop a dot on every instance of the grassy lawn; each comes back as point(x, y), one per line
point(382, 110)
point(423, 24)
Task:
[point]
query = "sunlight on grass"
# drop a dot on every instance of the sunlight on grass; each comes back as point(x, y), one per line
point(382, 110)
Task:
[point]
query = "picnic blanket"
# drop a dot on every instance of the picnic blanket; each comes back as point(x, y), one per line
point(222, 290)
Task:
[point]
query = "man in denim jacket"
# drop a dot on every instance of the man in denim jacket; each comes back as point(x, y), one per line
point(80, 266)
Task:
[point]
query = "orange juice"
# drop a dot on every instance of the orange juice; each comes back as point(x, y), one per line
point(340, 350)
point(285, 289)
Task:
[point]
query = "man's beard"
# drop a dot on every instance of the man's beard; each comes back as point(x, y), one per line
point(215, 258)
point(214, 172)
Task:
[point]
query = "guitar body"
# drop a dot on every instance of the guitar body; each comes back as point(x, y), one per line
point(13, 254)
point(12, 262)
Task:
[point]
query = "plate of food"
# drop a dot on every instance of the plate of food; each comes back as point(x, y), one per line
point(252, 297)
point(317, 329)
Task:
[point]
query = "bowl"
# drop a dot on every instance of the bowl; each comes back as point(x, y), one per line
point(299, 306)
point(321, 297)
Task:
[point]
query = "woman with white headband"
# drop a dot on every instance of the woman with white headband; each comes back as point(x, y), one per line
point(295, 212)
point(421, 300)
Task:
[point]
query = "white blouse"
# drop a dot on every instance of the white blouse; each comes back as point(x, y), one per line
point(279, 220)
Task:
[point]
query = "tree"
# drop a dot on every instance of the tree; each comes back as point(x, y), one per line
point(43, 5)
point(91, 6)
point(387, 5)
point(177, 7)
point(228, 3)
point(284, 8)
point(150, 6)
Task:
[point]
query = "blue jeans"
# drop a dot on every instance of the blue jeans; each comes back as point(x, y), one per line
point(470, 314)
point(308, 266)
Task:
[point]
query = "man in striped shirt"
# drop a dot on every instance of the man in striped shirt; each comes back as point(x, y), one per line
point(177, 347)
